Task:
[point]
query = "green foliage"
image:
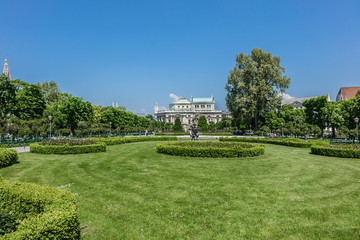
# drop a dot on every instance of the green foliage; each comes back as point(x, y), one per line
point(67, 149)
point(8, 222)
point(8, 157)
point(70, 142)
point(253, 86)
point(343, 151)
point(291, 142)
point(202, 123)
point(7, 96)
point(122, 140)
point(30, 101)
point(210, 149)
point(42, 212)
point(51, 92)
point(177, 126)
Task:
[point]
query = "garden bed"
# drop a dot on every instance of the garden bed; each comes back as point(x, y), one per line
point(122, 140)
point(210, 149)
point(339, 150)
point(37, 212)
point(67, 146)
point(7, 157)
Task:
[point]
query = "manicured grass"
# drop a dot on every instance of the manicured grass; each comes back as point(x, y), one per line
point(131, 192)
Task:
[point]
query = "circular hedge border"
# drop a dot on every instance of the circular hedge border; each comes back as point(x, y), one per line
point(8, 157)
point(336, 151)
point(210, 149)
point(67, 149)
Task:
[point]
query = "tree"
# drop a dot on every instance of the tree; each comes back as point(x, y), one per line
point(315, 110)
point(177, 126)
point(253, 86)
point(30, 102)
point(72, 110)
point(51, 92)
point(7, 95)
point(202, 123)
point(150, 117)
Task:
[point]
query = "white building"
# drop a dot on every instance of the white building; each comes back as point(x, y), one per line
point(187, 110)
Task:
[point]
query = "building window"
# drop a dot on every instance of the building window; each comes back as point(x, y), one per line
point(196, 106)
point(202, 106)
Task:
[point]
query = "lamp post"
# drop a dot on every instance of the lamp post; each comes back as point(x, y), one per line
point(282, 133)
point(110, 129)
point(357, 129)
point(50, 118)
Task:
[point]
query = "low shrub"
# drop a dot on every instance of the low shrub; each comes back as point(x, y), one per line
point(40, 212)
point(291, 142)
point(70, 142)
point(210, 149)
point(8, 157)
point(344, 151)
point(122, 140)
point(67, 149)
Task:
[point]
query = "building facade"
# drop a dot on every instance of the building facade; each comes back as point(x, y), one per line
point(6, 70)
point(187, 111)
point(347, 93)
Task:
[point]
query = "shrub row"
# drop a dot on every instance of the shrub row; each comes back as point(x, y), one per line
point(67, 149)
point(70, 142)
point(291, 142)
point(210, 149)
point(42, 212)
point(8, 157)
point(122, 140)
point(335, 151)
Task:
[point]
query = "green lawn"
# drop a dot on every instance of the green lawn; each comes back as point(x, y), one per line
point(131, 192)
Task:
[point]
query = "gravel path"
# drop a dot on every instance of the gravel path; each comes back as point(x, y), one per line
point(22, 149)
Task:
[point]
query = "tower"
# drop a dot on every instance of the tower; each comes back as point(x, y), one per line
point(6, 70)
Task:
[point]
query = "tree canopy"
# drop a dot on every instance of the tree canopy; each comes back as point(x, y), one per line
point(253, 87)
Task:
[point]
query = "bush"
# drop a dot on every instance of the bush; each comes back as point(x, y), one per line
point(291, 142)
point(70, 142)
point(343, 151)
point(122, 140)
point(67, 149)
point(42, 212)
point(210, 149)
point(8, 157)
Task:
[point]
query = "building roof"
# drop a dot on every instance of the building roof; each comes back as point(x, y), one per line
point(181, 100)
point(347, 92)
point(202, 100)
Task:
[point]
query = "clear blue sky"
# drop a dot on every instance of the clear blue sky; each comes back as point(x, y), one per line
point(138, 52)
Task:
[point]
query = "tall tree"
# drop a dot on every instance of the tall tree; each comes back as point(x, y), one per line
point(177, 126)
point(316, 113)
point(7, 95)
point(51, 92)
point(202, 124)
point(30, 102)
point(253, 86)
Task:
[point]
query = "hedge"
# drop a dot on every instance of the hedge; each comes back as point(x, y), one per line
point(291, 142)
point(66, 149)
point(210, 149)
point(8, 157)
point(42, 212)
point(122, 140)
point(334, 151)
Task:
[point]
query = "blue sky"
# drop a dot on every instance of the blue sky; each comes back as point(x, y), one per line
point(136, 53)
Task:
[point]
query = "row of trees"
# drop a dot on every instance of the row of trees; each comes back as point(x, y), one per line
point(25, 110)
point(254, 93)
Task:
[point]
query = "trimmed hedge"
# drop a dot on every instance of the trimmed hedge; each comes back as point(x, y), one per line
point(334, 151)
point(66, 149)
point(122, 140)
point(42, 212)
point(291, 142)
point(210, 149)
point(8, 157)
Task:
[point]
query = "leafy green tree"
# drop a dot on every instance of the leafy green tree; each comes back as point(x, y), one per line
point(51, 92)
point(253, 87)
point(72, 110)
point(150, 117)
point(7, 95)
point(212, 126)
point(30, 102)
point(177, 126)
point(334, 116)
point(316, 113)
point(202, 123)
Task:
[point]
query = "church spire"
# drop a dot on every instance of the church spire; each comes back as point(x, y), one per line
point(6, 70)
